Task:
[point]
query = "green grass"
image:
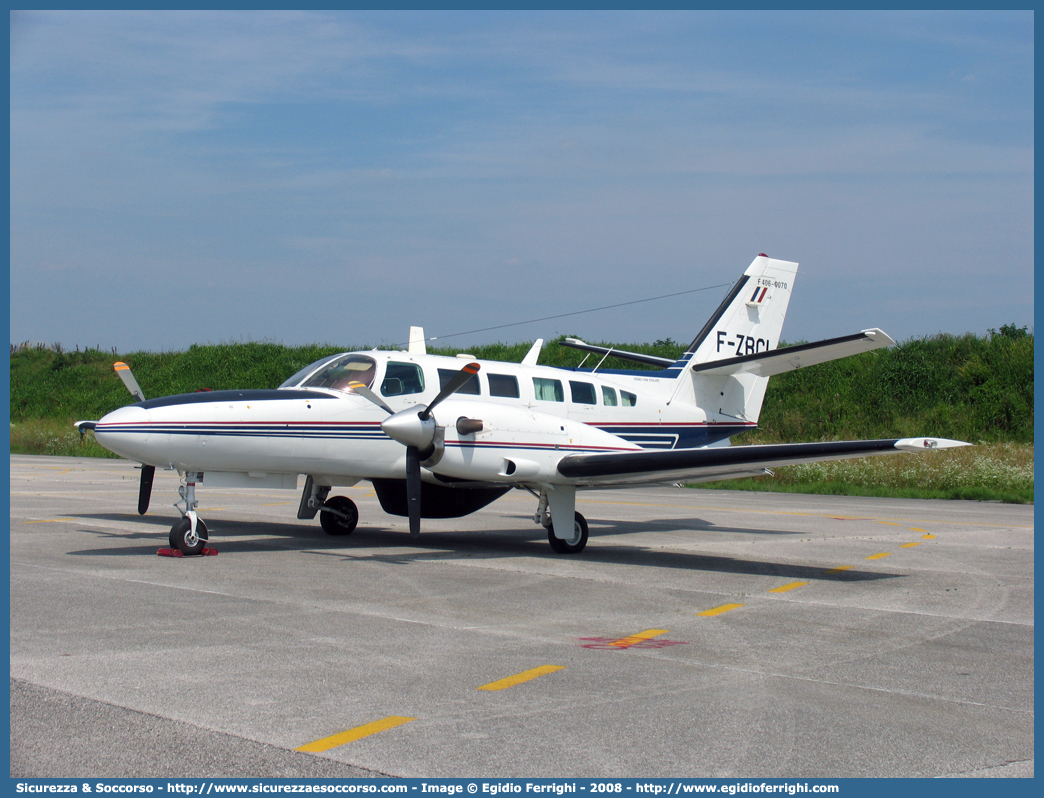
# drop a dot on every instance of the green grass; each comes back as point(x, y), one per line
point(52, 437)
point(987, 472)
point(969, 387)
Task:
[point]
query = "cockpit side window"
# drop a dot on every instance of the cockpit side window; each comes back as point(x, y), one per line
point(339, 373)
point(402, 378)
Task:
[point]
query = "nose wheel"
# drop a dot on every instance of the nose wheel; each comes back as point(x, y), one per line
point(187, 541)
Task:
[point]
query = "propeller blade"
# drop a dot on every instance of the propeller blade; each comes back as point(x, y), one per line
point(145, 489)
point(452, 387)
point(413, 489)
point(125, 373)
point(366, 393)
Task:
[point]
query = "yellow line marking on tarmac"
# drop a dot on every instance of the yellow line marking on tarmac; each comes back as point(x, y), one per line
point(720, 610)
point(627, 642)
point(927, 537)
point(519, 678)
point(890, 523)
point(911, 545)
point(839, 569)
point(352, 735)
point(49, 520)
point(915, 529)
point(879, 555)
point(785, 588)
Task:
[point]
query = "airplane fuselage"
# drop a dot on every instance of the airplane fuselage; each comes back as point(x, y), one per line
point(531, 417)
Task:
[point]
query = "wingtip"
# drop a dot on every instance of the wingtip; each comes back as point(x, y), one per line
point(928, 444)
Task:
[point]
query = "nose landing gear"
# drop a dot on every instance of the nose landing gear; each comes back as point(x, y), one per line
point(188, 540)
point(189, 534)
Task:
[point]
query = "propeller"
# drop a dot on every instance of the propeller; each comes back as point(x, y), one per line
point(415, 429)
point(125, 374)
point(366, 393)
point(148, 472)
point(145, 488)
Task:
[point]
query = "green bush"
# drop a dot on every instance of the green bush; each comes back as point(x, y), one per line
point(976, 388)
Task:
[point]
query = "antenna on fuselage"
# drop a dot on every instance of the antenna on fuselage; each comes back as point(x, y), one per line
point(534, 352)
point(416, 345)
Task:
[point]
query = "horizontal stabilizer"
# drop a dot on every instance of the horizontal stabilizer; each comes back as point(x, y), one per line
point(778, 361)
point(634, 357)
point(727, 461)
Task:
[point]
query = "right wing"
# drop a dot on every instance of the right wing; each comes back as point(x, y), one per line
point(726, 462)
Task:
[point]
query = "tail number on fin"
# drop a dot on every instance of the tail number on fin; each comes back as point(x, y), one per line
point(744, 344)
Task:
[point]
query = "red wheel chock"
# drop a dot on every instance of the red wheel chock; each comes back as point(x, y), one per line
point(180, 553)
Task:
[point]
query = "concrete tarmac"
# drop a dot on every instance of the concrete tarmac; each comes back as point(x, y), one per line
point(700, 634)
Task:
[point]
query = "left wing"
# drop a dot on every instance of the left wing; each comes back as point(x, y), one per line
point(727, 462)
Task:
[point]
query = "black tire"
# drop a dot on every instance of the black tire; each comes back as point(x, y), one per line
point(181, 539)
point(335, 525)
point(573, 545)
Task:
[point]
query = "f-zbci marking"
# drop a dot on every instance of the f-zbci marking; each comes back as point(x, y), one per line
point(438, 440)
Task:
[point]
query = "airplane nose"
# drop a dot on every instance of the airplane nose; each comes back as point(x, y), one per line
point(125, 432)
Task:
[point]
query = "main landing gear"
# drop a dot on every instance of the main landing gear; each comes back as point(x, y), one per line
point(338, 515)
point(573, 544)
point(559, 503)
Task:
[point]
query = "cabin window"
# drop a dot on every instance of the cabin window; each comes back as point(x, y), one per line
point(471, 386)
point(503, 385)
point(402, 378)
point(628, 399)
point(583, 393)
point(608, 396)
point(548, 390)
point(338, 373)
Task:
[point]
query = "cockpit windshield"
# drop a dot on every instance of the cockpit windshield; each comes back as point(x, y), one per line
point(335, 372)
point(295, 380)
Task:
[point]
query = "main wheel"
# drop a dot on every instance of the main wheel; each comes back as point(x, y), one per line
point(334, 524)
point(573, 544)
point(181, 536)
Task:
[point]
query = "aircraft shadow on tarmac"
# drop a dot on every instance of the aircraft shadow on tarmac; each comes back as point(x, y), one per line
point(242, 536)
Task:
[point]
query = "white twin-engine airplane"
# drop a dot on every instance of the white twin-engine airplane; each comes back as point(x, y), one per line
point(440, 441)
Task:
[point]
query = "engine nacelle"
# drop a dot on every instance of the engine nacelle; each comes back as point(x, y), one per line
point(515, 443)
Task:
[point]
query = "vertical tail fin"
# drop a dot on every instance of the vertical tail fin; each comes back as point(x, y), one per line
point(749, 320)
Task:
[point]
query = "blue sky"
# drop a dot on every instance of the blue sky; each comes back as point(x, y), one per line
point(334, 177)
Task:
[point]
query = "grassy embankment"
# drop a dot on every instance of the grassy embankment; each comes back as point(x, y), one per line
point(973, 388)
